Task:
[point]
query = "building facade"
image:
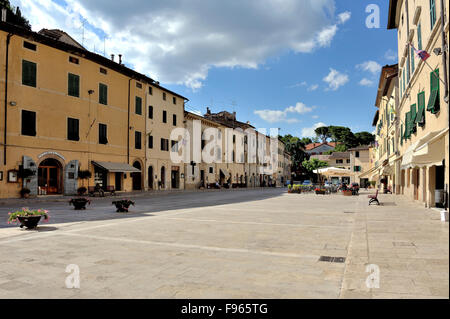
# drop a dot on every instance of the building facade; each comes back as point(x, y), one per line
point(423, 110)
point(68, 110)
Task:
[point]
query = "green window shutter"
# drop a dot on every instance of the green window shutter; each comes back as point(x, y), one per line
point(434, 101)
point(29, 73)
point(138, 105)
point(401, 135)
point(432, 13)
point(408, 125)
point(412, 119)
point(419, 36)
point(103, 95)
point(413, 66)
point(420, 118)
point(408, 70)
point(74, 85)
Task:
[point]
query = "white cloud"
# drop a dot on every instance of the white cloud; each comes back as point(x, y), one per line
point(275, 116)
point(366, 82)
point(310, 131)
point(313, 87)
point(371, 66)
point(344, 17)
point(391, 55)
point(335, 79)
point(297, 85)
point(178, 42)
point(315, 117)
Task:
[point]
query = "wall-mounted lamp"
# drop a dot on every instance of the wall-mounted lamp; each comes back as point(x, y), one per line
point(91, 92)
point(437, 51)
point(13, 103)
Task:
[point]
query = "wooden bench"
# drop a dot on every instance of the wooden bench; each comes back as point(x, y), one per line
point(374, 199)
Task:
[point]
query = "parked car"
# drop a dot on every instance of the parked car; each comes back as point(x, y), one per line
point(307, 183)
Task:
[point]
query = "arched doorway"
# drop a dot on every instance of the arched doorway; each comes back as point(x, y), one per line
point(163, 178)
point(50, 177)
point(137, 177)
point(150, 177)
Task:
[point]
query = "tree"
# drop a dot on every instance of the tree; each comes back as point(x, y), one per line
point(365, 138)
point(295, 147)
point(323, 133)
point(14, 16)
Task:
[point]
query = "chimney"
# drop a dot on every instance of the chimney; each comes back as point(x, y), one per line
point(120, 59)
point(208, 111)
point(234, 116)
point(112, 57)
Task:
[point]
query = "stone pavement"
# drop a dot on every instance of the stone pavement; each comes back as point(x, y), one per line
point(243, 244)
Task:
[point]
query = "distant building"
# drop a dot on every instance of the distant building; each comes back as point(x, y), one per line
point(319, 148)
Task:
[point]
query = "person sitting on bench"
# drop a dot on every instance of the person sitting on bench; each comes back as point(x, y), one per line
point(99, 190)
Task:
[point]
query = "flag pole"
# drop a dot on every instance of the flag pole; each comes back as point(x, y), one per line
point(426, 63)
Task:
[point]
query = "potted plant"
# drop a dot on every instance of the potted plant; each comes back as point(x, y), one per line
point(320, 191)
point(123, 205)
point(28, 218)
point(347, 192)
point(79, 203)
point(81, 191)
point(25, 192)
point(289, 189)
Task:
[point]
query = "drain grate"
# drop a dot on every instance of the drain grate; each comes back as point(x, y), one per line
point(330, 259)
point(403, 244)
point(349, 212)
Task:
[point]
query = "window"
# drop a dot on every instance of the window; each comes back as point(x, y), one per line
point(102, 134)
point(150, 141)
point(29, 73)
point(103, 71)
point(234, 139)
point(174, 99)
point(174, 120)
point(408, 74)
point(412, 119)
point(164, 144)
point(74, 60)
point(339, 161)
point(174, 146)
point(357, 168)
point(164, 96)
point(103, 94)
point(164, 116)
point(211, 170)
point(348, 161)
point(432, 13)
point(150, 90)
point(29, 46)
point(420, 118)
point(150, 112)
point(419, 36)
point(74, 85)
point(138, 105)
point(434, 101)
point(138, 85)
point(28, 123)
point(73, 129)
point(357, 154)
point(137, 140)
point(413, 66)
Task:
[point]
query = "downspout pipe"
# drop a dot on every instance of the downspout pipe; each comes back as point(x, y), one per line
point(446, 97)
point(8, 41)
point(128, 126)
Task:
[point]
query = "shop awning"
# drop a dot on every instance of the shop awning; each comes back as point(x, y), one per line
point(116, 167)
point(408, 156)
point(369, 173)
point(431, 149)
point(225, 172)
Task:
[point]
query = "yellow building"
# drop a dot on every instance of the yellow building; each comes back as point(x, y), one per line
point(360, 164)
point(68, 109)
point(423, 110)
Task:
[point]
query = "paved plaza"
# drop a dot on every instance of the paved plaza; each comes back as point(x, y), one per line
point(260, 243)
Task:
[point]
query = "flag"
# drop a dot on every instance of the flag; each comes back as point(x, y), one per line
point(423, 55)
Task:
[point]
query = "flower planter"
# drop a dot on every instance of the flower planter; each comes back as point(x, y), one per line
point(79, 203)
point(347, 193)
point(321, 192)
point(123, 205)
point(29, 222)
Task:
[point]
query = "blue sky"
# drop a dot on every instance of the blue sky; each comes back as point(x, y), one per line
point(252, 61)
